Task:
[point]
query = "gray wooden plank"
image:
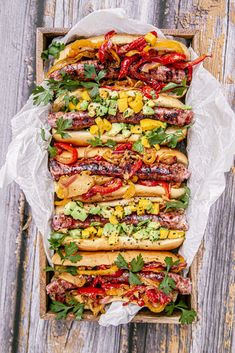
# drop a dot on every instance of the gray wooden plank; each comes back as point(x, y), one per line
point(17, 46)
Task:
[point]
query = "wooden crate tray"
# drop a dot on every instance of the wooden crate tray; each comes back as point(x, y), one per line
point(44, 37)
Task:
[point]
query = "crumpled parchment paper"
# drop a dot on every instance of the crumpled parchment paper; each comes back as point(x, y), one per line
point(211, 146)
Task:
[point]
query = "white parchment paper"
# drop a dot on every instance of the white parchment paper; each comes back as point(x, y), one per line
point(211, 146)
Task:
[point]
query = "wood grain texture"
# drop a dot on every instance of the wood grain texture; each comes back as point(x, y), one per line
point(21, 330)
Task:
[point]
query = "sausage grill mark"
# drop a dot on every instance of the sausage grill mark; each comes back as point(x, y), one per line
point(176, 172)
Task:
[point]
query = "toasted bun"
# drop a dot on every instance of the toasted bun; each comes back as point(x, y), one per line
point(93, 259)
point(84, 152)
point(164, 100)
point(140, 190)
point(80, 138)
point(124, 202)
point(162, 44)
point(125, 243)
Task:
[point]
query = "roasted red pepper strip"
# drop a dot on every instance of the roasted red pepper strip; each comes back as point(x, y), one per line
point(106, 46)
point(157, 296)
point(164, 184)
point(135, 167)
point(65, 159)
point(140, 76)
point(91, 291)
point(109, 35)
point(185, 65)
point(123, 147)
point(149, 92)
point(125, 64)
point(137, 44)
point(108, 286)
point(116, 274)
point(104, 189)
point(154, 33)
point(172, 58)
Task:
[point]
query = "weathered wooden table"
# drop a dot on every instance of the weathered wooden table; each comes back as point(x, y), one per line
point(21, 330)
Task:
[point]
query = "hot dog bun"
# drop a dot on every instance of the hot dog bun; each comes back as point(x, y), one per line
point(124, 243)
point(80, 138)
point(123, 202)
point(93, 259)
point(120, 39)
point(140, 190)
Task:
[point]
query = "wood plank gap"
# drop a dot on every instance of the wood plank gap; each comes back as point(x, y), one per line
point(22, 235)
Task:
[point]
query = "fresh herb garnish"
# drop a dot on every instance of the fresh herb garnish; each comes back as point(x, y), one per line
point(182, 203)
point(62, 310)
point(177, 89)
point(54, 50)
point(187, 316)
point(159, 136)
point(56, 240)
point(96, 142)
point(52, 151)
point(136, 265)
point(43, 134)
point(56, 88)
point(69, 99)
point(168, 284)
point(69, 269)
point(62, 125)
point(138, 146)
point(90, 73)
point(42, 95)
point(71, 253)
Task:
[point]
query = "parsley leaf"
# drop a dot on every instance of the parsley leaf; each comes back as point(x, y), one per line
point(138, 147)
point(187, 315)
point(137, 264)
point(56, 240)
point(177, 89)
point(121, 262)
point(42, 95)
point(96, 142)
point(90, 72)
point(78, 308)
point(54, 50)
point(43, 134)
point(78, 311)
point(182, 203)
point(52, 151)
point(69, 99)
point(159, 136)
point(71, 253)
point(170, 263)
point(69, 269)
point(134, 279)
point(62, 125)
point(61, 309)
point(168, 284)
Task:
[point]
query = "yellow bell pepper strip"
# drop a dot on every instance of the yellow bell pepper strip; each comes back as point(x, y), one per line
point(68, 61)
